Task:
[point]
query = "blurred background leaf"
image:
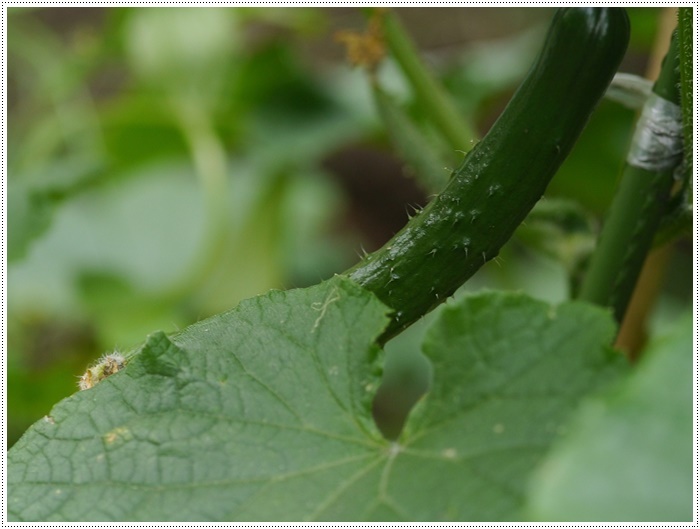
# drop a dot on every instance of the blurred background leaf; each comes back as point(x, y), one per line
point(629, 453)
point(163, 164)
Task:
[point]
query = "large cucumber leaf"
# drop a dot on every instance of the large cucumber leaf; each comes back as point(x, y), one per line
point(263, 413)
point(508, 371)
point(629, 453)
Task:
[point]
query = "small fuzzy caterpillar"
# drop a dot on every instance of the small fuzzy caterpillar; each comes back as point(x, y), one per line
point(107, 365)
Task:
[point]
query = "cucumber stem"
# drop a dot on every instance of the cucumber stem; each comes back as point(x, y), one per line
point(428, 91)
point(635, 213)
point(685, 51)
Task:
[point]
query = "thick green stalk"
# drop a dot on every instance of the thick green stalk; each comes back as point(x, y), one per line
point(685, 51)
point(642, 197)
point(429, 92)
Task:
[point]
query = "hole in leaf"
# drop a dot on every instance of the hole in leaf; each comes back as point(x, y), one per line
point(407, 377)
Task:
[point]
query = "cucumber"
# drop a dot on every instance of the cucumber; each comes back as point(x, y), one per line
point(502, 178)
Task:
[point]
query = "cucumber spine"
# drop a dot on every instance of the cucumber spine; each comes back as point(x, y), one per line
point(501, 178)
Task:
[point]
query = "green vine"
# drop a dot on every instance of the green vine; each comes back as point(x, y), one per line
point(685, 50)
point(458, 132)
point(642, 198)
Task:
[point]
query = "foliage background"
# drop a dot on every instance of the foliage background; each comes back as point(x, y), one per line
point(164, 164)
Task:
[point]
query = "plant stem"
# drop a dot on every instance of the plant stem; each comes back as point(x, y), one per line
point(429, 92)
point(422, 158)
point(210, 164)
point(633, 331)
point(641, 199)
point(685, 51)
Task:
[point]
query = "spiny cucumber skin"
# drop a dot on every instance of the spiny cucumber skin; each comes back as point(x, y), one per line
point(503, 177)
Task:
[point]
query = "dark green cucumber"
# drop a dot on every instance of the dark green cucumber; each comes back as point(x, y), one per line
point(502, 178)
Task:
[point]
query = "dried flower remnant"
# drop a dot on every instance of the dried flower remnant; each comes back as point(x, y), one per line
point(364, 49)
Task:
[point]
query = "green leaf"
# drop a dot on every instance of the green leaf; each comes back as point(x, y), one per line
point(185, 47)
point(508, 370)
point(29, 214)
point(629, 455)
point(34, 195)
point(263, 413)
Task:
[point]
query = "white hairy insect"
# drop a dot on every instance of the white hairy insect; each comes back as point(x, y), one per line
point(107, 365)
